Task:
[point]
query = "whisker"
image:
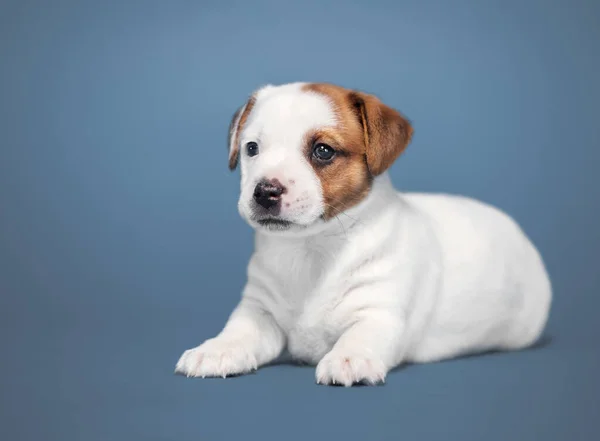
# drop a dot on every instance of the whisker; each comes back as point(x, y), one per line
point(339, 211)
point(342, 225)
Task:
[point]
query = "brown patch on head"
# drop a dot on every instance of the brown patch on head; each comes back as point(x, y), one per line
point(368, 138)
point(346, 179)
point(235, 127)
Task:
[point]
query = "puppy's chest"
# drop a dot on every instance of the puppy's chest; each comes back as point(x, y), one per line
point(305, 301)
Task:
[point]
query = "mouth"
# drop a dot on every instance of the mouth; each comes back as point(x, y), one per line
point(274, 223)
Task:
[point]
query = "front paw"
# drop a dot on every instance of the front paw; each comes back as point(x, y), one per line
point(348, 368)
point(216, 358)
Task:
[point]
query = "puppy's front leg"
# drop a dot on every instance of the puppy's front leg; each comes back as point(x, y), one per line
point(365, 352)
point(250, 338)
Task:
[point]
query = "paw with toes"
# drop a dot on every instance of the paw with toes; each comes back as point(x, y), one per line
point(216, 358)
point(347, 369)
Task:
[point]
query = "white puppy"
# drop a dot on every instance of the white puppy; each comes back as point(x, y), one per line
point(349, 274)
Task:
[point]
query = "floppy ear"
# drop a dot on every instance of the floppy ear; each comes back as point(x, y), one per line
point(386, 131)
point(237, 124)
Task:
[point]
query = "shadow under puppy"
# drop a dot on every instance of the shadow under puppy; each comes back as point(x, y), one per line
point(349, 274)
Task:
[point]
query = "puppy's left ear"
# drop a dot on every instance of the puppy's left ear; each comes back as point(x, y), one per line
point(386, 132)
point(235, 127)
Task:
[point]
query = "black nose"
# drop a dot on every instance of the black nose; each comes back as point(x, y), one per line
point(267, 193)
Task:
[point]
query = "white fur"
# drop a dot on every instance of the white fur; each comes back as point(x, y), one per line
point(397, 278)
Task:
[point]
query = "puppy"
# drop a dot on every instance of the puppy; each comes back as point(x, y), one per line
point(347, 273)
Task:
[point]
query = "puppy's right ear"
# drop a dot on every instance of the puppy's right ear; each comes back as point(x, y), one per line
point(235, 127)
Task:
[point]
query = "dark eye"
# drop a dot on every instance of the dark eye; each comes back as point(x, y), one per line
point(323, 152)
point(252, 149)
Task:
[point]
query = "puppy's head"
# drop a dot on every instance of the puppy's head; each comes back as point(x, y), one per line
point(309, 151)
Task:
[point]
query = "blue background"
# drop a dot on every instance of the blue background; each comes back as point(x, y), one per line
point(121, 246)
